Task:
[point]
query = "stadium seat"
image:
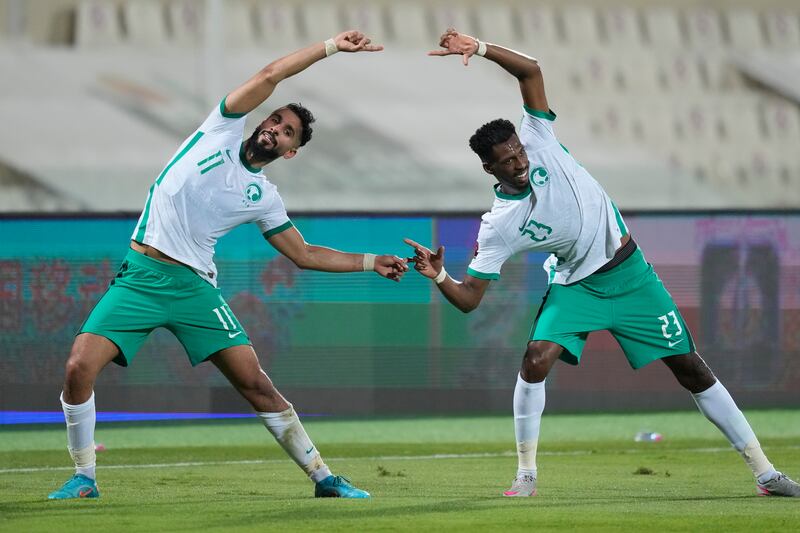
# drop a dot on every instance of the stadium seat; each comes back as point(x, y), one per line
point(410, 24)
point(740, 121)
point(450, 15)
point(538, 27)
point(744, 28)
point(640, 72)
point(277, 25)
point(321, 20)
point(239, 24)
point(704, 29)
point(622, 27)
point(581, 26)
point(783, 29)
point(679, 72)
point(367, 17)
point(496, 23)
point(186, 20)
point(782, 122)
point(663, 27)
point(612, 122)
point(145, 22)
point(97, 24)
point(719, 73)
point(594, 73)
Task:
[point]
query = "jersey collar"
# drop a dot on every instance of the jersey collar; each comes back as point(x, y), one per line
point(243, 159)
point(500, 194)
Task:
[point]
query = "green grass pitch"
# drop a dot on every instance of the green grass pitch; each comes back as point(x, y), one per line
point(424, 474)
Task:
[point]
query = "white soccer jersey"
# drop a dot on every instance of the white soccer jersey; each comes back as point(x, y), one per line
point(205, 191)
point(564, 212)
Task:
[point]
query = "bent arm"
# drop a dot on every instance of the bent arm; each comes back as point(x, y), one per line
point(527, 71)
point(310, 257)
point(257, 89)
point(525, 68)
point(465, 295)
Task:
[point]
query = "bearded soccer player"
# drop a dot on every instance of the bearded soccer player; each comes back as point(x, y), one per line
point(212, 184)
point(599, 279)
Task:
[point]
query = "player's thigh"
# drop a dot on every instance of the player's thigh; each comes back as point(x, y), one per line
point(204, 323)
point(131, 308)
point(648, 324)
point(567, 315)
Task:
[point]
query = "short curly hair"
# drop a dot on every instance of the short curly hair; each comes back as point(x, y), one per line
point(492, 133)
point(306, 119)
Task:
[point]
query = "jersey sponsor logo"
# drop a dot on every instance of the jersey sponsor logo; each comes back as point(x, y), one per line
point(539, 176)
point(537, 231)
point(253, 193)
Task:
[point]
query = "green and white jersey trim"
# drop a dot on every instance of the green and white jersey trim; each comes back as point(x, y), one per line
point(205, 191)
point(564, 211)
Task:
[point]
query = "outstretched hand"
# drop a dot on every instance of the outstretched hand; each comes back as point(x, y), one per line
point(355, 41)
point(456, 43)
point(390, 267)
point(426, 262)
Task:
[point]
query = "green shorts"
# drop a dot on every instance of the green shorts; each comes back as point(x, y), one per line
point(147, 294)
point(629, 301)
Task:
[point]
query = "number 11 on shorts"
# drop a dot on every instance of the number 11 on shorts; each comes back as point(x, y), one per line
point(231, 329)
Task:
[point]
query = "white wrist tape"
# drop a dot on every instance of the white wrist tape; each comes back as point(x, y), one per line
point(440, 277)
point(330, 47)
point(369, 262)
point(481, 51)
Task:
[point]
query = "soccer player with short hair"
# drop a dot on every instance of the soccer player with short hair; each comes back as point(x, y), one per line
point(598, 277)
point(213, 183)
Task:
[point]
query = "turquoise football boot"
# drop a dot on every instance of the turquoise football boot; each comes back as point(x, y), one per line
point(338, 487)
point(78, 486)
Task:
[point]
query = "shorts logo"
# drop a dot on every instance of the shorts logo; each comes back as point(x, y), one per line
point(537, 231)
point(253, 192)
point(539, 176)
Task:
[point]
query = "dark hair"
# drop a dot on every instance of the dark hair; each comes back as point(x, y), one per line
point(306, 118)
point(491, 133)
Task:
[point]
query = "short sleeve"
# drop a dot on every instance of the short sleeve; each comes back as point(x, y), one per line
point(220, 122)
point(275, 219)
point(490, 254)
point(536, 129)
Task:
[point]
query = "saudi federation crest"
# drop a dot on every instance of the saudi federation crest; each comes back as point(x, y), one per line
point(253, 193)
point(539, 176)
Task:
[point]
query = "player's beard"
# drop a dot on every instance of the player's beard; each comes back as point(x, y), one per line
point(259, 153)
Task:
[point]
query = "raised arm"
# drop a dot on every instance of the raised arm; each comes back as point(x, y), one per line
point(257, 89)
point(310, 257)
point(525, 68)
point(465, 295)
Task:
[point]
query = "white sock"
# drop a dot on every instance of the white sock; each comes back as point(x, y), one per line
point(718, 406)
point(528, 408)
point(290, 434)
point(80, 421)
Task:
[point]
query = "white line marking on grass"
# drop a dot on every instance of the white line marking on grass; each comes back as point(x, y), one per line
point(436, 456)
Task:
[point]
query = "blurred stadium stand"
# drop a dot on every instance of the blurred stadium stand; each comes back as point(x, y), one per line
point(671, 105)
